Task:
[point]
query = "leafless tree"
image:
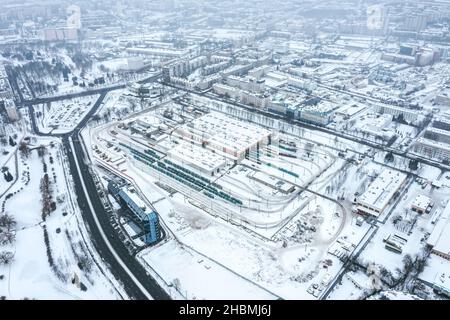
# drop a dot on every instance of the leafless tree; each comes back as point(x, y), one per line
point(6, 257)
point(7, 237)
point(41, 150)
point(24, 149)
point(7, 221)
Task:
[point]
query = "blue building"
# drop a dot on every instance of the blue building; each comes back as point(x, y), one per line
point(147, 219)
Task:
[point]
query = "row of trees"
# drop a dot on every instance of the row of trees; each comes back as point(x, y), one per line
point(7, 236)
point(413, 164)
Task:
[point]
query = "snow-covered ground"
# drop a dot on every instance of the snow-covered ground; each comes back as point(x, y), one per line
point(63, 116)
point(310, 257)
point(199, 277)
point(70, 250)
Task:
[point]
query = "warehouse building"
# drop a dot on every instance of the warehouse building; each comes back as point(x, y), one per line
point(200, 159)
point(224, 135)
point(380, 193)
point(439, 240)
point(421, 203)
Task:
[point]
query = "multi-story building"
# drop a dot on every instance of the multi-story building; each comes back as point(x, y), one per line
point(59, 34)
point(11, 111)
point(438, 135)
point(143, 216)
point(246, 83)
point(432, 149)
point(258, 100)
point(435, 142)
point(408, 115)
point(441, 123)
point(318, 113)
point(415, 23)
point(443, 97)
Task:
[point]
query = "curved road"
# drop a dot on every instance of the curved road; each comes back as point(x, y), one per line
point(139, 285)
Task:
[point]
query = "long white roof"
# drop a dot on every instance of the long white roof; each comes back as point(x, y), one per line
point(382, 189)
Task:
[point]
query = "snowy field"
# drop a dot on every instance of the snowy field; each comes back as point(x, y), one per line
point(62, 263)
point(199, 277)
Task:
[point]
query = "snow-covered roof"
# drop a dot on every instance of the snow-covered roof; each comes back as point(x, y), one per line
point(439, 238)
point(434, 144)
point(225, 132)
point(197, 156)
point(421, 201)
point(381, 191)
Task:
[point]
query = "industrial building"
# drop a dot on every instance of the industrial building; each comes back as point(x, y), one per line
point(439, 240)
point(421, 203)
point(224, 135)
point(380, 193)
point(143, 216)
point(198, 158)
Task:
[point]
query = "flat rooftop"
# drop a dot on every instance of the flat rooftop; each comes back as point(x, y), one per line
point(197, 156)
point(439, 131)
point(225, 132)
point(322, 107)
point(434, 144)
point(421, 201)
point(439, 237)
point(382, 189)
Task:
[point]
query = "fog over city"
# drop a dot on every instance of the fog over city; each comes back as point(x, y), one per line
point(224, 150)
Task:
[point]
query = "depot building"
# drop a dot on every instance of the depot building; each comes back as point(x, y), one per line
point(224, 135)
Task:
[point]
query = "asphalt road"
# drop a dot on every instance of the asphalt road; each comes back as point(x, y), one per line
point(132, 264)
point(139, 272)
point(89, 92)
